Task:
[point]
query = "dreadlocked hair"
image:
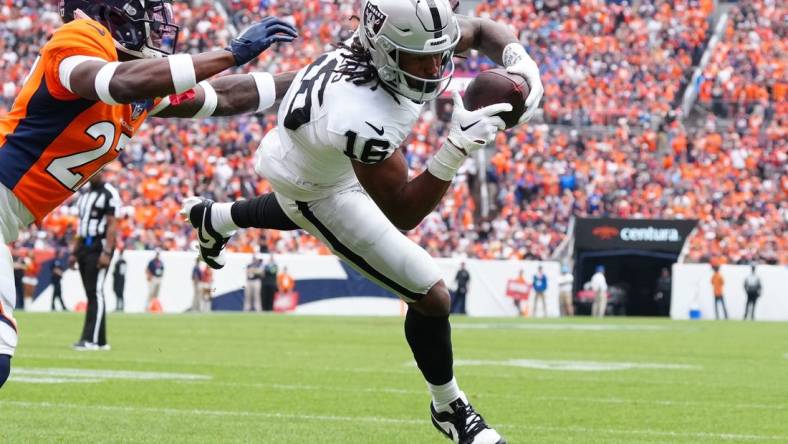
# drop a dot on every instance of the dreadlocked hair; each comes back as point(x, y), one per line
point(357, 67)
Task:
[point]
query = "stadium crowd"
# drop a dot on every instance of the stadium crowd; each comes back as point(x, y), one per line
point(610, 144)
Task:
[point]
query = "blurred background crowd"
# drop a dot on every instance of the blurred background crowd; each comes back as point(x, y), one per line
point(612, 139)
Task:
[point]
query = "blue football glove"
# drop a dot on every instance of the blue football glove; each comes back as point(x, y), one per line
point(258, 37)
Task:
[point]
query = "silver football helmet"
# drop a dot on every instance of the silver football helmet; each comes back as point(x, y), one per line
point(419, 27)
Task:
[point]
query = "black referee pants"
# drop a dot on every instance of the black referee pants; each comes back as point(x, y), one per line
point(269, 292)
point(93, 277)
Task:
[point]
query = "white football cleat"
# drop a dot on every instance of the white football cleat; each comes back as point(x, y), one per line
point(197, 211)
point(463, 425)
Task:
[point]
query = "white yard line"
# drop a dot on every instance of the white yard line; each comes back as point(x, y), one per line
point(765, 406)
point(573, 365)
point(379, 420)
point(557, 326)
point(78, 375)
point(49, 380)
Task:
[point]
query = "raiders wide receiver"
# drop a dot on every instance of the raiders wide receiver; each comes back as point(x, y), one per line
point(337, 171)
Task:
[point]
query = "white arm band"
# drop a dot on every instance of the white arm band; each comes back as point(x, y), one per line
point(101, 83)
point(182, 69)
point(210, 102)
point(513, 53)
point(445, 163)
point(67, 67)
point(266, 90)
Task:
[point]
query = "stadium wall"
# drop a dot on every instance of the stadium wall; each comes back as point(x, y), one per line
point(325, 285)
point(692, 290)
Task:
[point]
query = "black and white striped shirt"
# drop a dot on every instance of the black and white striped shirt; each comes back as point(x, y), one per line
point(94, 206)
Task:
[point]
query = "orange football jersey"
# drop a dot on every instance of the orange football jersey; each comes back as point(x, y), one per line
point(53, 141)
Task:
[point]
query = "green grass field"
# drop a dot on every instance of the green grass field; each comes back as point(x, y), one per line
point(294, 379)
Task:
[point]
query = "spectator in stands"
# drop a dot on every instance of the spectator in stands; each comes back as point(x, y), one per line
point(206, 288)
point(520, 296)
point(752, 286)
point(286, 298)
point(253, 289)
point(540, 286)
point(20, 267)
point(196, 286)
point(30, 279)
point(58, 268)
point(154, 272)
point(270, 287)
point(461, 279)
point(663, 293)
point(599, 287)
point(717, 285)
point(565, 287)
point(119, 279)
point(285, 281)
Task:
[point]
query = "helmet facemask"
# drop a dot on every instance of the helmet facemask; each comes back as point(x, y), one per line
point(150, 33)
point(416, 88)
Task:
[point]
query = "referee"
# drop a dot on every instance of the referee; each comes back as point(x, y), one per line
point(99, 209)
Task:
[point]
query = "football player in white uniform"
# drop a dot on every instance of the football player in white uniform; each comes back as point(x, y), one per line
point(337, 172)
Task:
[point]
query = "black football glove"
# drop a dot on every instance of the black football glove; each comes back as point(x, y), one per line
point(258, 37)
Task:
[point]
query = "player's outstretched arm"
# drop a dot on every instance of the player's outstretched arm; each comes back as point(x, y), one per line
point(126, 82)
point(498, 43)
point(228, 96)
point(406, 203)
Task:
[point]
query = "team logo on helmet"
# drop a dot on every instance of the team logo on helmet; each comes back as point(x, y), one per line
point(373, 19)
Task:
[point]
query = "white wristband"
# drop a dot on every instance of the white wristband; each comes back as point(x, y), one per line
point(103, 77)
point(513, 53)
point(182, 70)
point(210, 102)
point(266, 90)
point(445, 163)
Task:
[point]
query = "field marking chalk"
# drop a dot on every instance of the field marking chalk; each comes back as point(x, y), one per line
point(577, 366)
point(77, 375)
point(558, 326)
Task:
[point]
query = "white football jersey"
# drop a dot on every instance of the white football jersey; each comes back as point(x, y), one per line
point(324, 121)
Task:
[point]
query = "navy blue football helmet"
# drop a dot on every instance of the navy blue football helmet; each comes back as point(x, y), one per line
point(140, 28)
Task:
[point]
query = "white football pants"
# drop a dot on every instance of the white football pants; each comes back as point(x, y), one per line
point(13, 215)
point(356, 230)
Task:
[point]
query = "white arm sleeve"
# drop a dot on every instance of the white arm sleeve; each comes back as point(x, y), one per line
point(67, 67)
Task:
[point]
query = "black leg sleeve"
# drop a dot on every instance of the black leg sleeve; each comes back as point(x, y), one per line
point(261, 212)
point(430, 340)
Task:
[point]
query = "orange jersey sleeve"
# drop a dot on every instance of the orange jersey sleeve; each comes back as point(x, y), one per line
point(53, 141)
point(79, 37)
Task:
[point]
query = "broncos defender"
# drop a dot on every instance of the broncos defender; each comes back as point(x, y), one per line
point(93, 84)
point(336, 171)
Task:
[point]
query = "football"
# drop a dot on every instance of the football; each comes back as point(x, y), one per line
point(498, 86)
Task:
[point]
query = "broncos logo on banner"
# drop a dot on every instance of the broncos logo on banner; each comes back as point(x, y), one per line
point(605, 232)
